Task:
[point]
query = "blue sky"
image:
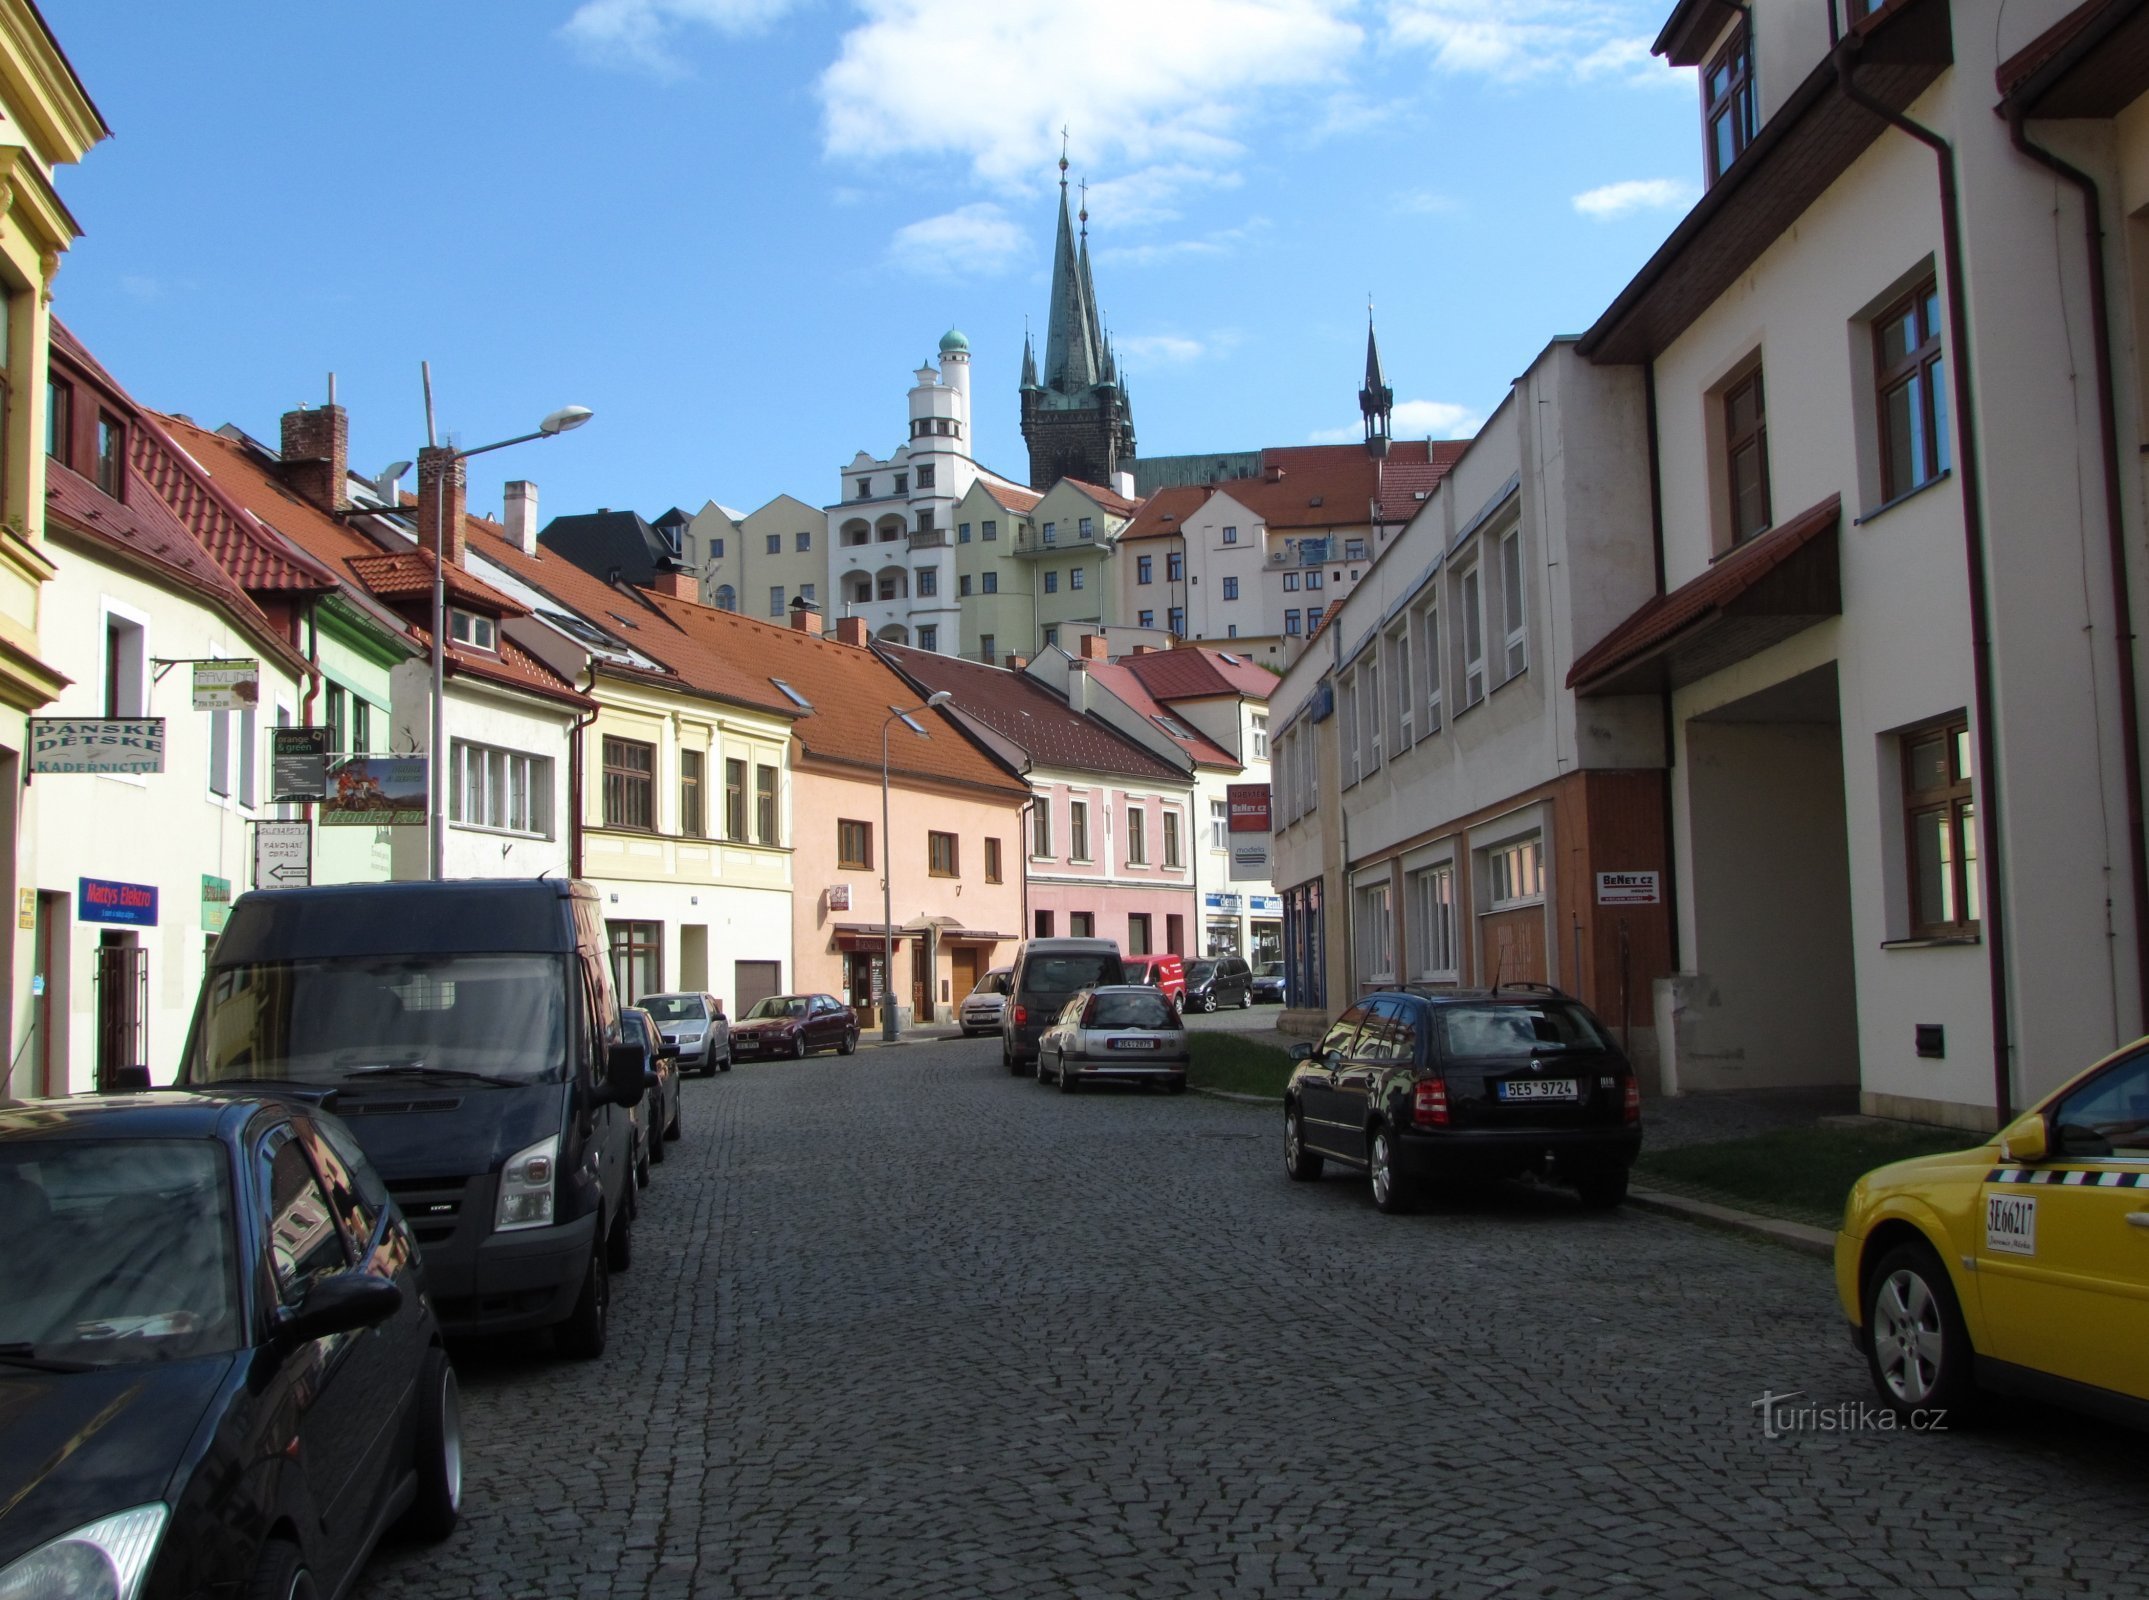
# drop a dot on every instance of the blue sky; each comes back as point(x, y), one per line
point(735, 227)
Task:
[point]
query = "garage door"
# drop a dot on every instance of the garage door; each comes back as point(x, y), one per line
point(755, 980)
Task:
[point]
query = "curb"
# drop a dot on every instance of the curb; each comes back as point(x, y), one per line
point(1809, 1241)
point(1241, 1099)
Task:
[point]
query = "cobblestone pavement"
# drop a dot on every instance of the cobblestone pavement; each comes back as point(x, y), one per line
point(903, 1325)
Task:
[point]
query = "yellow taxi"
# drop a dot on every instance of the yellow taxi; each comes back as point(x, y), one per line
point(2022, 1265)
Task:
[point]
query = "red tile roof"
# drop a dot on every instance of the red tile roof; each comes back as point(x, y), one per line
point(1164, 513)
point(1199, 672)
point(408, 574)
point(1109, 499)
point(1201, 749)
point(1029, 716)
point(850, 689)
point(1337, 485)
point(1008, 498)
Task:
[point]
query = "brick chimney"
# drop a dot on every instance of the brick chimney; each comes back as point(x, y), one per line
point(1094, 648)
point(442, 489)
point(806, 616)
point(1145, 650)
point(1017, 663)
point(679, 585)
point(519, 512)
point(317, 455)
point(851, 630)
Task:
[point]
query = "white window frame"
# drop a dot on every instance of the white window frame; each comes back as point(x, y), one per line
point(1041, 827)
point(1430, 910)
point(1470, 596)
point(1347, 727)
point(1429, 650)
point(497, 768)
point(1373, 931)
point(1260, 737)
point(1078, 839)
point(1371, 709)
point(1515, 614)
point(1515, 872)
point(1219, 826)
point(1401, 693)
point(1137, 837)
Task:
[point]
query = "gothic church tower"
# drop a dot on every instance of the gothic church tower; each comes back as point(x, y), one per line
point(1075, 415)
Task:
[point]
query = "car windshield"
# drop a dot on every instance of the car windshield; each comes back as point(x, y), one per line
point(993, 983)
point(675, 1007)
point(488, 1019)
point(1123, 1010)
point(1200, 971)
point(1064, 974)
point(1530, 1028)
point(637, 1028)
point(1269, 969)
point(117, 1251)
point(776, 1005)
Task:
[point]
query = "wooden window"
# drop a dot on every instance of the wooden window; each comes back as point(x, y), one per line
point(992, 861)
point(693, 812)
point(1078, 830)
point(637, 959)
point(467, 627)
point(630, 787)
point(1137, 837)
point(1911, 374)
point(1138, 939)
point(735, 800)
point(1727, 103)
point(854, 844)
point(506, 790)
point(1746, 456)
point(941, 855)
point(1518, 873)
point(1041, 828)
point(1171, 839)
point(1429, 894)
point(59, 421)
point(1081, 924)
point(1940, 812)
point(765, 829)
point(1041, 922)
point(111, 455)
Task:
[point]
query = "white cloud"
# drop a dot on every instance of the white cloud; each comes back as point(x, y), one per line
point(1612, 201)
point(970, 241)
point(1412, 419)
point(1217, 242)
point(1166, 349)
point(1512, 41)
point(1427, 203)
point(992, 82)
point(641, 33)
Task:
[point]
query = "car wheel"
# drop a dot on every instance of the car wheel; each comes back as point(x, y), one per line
point(849, 1045)
point(619, 1242)
point(1601, 1188)
point(1208, 1001)
point(1246, 1000)
point(1916, 1342)
point(281, 1574)
point(1391, 1192)
point(1068, 1082)
point(1299, 1162)
point(1041, 1078)
point(582, 1334)
point(1010, 1060)
point(798, 1047)
point(437, 1463)
point(725, 1064)
point(641, 1165)
point(1176, 1086)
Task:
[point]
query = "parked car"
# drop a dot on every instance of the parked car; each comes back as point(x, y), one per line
point(1166, 973)
point(1122, 1033)
point(219, 1370)
point(1461, 1085)
point(656, 1119)
point(1219, 981)
point(981, 1007)
point(696, 1024)
point(2019, 1264)
point(1047, 974)
point(471, 1034)
point(1268, 983)
point(795, 1025)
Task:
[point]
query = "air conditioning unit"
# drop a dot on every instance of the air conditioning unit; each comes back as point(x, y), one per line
point(1278, 557)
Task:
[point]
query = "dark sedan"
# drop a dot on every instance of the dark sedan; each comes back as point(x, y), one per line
point(219, 1369)
point(656, 1119)
point(794, 1025)
point(1268, 983)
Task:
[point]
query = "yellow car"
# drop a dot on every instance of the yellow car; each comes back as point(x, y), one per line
point(2022, 1265)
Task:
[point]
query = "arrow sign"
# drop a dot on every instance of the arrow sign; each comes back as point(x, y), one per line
point(284, 872)
point(283, 855)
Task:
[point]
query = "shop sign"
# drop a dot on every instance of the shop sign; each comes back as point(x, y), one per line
point(1249, 858)
point(101, 900)
point(839, 897)
point(376, 792)
point(298, 764)
point(26, 908)
point(215, 903)
point(283, 855)
point(1224, 905)
point(1265, 905)
point(1247, 805)
point(1627, 889)
point(97, 744)
point(227, 685)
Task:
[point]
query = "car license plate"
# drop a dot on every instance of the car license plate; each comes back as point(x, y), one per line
point(1133, 1044)
point(1538, 1089)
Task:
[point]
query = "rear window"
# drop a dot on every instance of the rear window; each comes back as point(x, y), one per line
point(1133, 1011)
point(1533, 1028)
point(1064, 974)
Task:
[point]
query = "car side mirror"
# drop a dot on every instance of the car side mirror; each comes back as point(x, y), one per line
point(1301, 1052)
point(2027, 1140)
point(129, 1079)
point(340, 1303)
point(626, 1074)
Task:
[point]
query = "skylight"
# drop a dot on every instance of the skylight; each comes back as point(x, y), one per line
point(1228, 656)
point(1177, 730)
point(793, 695)
point(909, 721)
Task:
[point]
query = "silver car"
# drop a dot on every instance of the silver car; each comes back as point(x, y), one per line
point(981, 1007)
point(1115, 1033)
point(696, 1024)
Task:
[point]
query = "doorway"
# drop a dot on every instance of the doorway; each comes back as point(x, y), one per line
point(48, 994)
point(963, 967)
point(122, 1004)
point(755, 980)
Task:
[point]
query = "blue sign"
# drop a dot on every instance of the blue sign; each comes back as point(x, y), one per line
point(98, 900)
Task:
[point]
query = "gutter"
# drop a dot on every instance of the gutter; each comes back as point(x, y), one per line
point(1994, 928)
point(574, 777)
point(1670, 721)
point(2130, 747)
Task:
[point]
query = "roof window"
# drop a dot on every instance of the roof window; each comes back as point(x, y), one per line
point(792, 695)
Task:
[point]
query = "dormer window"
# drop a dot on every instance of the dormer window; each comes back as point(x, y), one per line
point(479, 633)
point(865, 488)
point(902, 483)
point(1727, 102)
point(111, 455)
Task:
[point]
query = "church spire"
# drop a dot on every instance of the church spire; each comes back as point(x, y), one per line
point(1070, 353)
point(1375, 399)
point(1075, 418)
point(1029, 359)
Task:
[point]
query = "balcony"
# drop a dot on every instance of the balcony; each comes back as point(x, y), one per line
point(1029, 542)
point(930, 539)
point(1315, 552)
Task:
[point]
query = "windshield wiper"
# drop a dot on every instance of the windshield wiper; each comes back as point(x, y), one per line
point(418, 1069)
point(25, 1355)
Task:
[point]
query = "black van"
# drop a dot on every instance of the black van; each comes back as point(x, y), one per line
point(468, 1033)
point(1046, 975)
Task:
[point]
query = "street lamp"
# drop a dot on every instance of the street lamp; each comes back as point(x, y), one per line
point(564, 420)
point(939, 697)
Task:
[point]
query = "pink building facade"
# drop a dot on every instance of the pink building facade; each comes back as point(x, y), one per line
point(1110, 858)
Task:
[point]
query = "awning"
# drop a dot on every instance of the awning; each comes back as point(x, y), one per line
point(861, 933)
point(1757, 595)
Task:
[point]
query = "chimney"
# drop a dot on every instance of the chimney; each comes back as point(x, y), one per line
point(1275, 475)
point(442, 488)
point(806, 616)
point(679, 585)
point(852, 630)
point(317, 455)
point(1094, 648)
point(1017, 663)
point(1145, 650)
point(520, 514)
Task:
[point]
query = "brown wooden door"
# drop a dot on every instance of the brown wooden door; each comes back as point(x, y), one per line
point(1511, 946)
point(963, 958)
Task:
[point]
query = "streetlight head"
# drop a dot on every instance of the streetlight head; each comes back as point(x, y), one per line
point(565, 420)
point(939, 697)
point(393, 472)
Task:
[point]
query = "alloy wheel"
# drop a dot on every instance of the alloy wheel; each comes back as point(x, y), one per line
point(1909, 1336)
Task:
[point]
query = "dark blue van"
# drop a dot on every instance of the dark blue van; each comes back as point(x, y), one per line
point(470, 1037)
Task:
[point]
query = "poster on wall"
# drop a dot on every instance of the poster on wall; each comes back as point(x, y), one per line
point(376, 792)
point(1247, 810)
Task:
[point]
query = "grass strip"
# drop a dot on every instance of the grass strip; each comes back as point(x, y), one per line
point(1803, 1174)
point(1236, 1065)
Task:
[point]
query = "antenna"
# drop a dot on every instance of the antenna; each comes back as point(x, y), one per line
point(425, 371)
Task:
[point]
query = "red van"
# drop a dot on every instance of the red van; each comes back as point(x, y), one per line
point(1159, 972)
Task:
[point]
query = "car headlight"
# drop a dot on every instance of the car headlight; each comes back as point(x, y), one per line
point(102, 1560)
point(525, 1190)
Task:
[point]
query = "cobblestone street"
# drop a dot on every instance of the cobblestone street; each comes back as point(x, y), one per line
point(899, 1324)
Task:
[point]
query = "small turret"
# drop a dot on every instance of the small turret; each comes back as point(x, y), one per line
point(1376, 401)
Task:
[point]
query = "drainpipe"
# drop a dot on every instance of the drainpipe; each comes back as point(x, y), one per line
point(1022, 851)
point(1973, 528)
point(574, 779)
point(2100, 316)
point(1671, 747)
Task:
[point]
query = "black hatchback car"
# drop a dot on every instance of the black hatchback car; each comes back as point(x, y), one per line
point(219, 1370)
point(1219, 981)
point(1458, 1085)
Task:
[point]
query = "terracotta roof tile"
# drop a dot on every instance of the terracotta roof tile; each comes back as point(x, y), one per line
point(1337, 485)
point(1164, 513)
point(1114, 676)
point(1109, 499)
point(1198, 673)
point(1009, 498)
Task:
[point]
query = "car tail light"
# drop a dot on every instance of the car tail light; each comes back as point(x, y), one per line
point(1634, 1101)
point(1429, 1103)
point(1089, 1013)
point(1022, 1016)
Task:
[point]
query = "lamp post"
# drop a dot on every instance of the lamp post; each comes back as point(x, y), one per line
point(939, 697)
point(564, 420)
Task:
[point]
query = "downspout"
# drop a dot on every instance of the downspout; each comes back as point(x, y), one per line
point(1671, 727)
point(1973, 527)
point(2100, 316)
point(574, 779)
point(1022, 850)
